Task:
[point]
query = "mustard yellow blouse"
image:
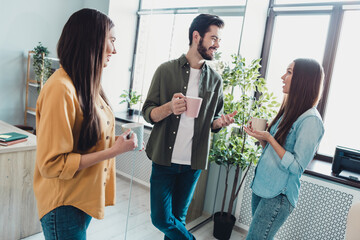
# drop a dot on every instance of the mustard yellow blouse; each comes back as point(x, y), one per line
point(58, 123)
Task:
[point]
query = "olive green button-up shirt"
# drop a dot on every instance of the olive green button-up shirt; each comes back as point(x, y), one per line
point(173, 77)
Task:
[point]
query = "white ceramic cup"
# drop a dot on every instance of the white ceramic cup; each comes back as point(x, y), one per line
point(193, 105)
point(258, 124)
point(137, 128)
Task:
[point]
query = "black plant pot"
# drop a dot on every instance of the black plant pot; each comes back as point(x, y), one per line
point(130, 112)
point(223, 225)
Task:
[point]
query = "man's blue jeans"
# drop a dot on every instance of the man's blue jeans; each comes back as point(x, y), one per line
point(268, 216)
point(65, 223)
point(171, 190)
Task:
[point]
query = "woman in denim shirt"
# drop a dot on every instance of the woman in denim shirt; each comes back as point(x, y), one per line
point(289, 145)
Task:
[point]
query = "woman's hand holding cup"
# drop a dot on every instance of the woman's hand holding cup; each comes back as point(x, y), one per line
point(124, 144)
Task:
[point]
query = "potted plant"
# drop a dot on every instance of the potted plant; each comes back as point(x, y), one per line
point(41, 64)
point(132, 98)
point(231, 146)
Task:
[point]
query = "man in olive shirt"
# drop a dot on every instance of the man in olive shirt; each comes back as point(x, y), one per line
point(178, 144)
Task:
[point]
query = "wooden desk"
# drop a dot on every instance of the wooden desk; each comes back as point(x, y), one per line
point(18, 214)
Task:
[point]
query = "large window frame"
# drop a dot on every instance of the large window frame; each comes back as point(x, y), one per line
point(336, 11)
point(221, 11)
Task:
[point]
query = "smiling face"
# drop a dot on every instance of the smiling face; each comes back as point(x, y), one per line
point(287, 78)
point(109, 46)
point(209, 43)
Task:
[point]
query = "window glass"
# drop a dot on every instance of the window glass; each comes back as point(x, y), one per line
point(295, 36)
point(342, 113)
point(153, 48)
point(180, 35)
point(150, 4)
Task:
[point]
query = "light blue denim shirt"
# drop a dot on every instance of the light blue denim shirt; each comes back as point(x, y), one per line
point(273, 175)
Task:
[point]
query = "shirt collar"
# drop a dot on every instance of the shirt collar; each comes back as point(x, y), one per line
point(184, 62)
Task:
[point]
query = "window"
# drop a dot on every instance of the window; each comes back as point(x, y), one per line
point(163, 34)
point(158, 4)
point(328, 32)
point(342, 113)
point(294, 36)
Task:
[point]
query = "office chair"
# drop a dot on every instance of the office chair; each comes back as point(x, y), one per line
point(353, 220)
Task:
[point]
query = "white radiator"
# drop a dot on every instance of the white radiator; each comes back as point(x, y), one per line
point(321, 211)
point(134, 162)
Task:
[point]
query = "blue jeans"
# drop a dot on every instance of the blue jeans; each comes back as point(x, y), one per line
point(171, 191)
point(268, 216)
point(65, 223)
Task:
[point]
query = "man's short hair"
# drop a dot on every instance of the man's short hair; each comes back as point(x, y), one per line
point(202, 24)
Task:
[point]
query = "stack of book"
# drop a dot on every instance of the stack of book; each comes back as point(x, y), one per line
point(7, 139)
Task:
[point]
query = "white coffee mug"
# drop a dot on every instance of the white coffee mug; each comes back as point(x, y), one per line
point(137, 128)
point(258, 124)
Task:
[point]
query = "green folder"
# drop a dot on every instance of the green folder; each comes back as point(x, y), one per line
point(11, 136)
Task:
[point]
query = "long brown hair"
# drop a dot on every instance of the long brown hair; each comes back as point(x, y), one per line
point(80, 50)
point(304, 93)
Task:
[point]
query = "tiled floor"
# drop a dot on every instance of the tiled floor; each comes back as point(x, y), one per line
point(113, 226)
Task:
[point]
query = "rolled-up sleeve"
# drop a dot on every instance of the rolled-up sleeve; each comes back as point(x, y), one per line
point(56, 115)
point(308, 137)
point(153, 98)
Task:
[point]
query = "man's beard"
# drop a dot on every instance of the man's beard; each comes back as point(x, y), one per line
point(202, 50)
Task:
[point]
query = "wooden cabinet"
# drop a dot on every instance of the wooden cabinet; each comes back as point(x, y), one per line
point(18, 215)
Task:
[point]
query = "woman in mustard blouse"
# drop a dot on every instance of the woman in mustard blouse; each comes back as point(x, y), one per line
point(75, 167)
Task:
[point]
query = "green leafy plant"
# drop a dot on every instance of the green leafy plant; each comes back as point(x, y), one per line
point(132, 98)
point(232, 148)
point(41, 64)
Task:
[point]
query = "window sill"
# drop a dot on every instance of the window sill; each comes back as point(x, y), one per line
point(124, 117)
point(322, 169)
point(317, 168)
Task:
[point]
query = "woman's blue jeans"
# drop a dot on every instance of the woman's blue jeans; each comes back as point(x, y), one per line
point(268, 214)
point(171, 191)
point(65, 223)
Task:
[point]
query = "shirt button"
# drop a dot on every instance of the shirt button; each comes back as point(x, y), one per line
point(173, 132)
point(169, 147)
point(185, 87)
point(105, 169)
point(177, 116)
point(104, 183)
point(187, 71)
point(108, 122)
point(107, 137)
point(101, 107)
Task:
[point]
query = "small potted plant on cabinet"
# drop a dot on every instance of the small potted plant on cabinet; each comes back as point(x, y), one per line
point(41, 64)
point(132, 98)
point(231, 146)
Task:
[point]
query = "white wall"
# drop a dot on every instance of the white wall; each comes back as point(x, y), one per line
point(101, 5)
point(24, 23)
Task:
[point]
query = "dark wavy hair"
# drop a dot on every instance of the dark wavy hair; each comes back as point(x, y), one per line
point(80, 50)
point(202, 24)
point(304, 93)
